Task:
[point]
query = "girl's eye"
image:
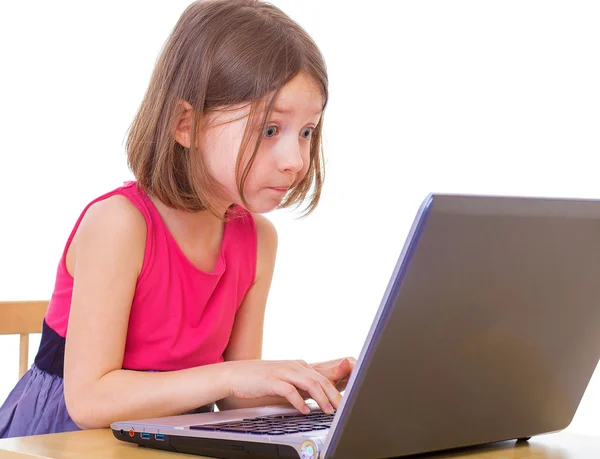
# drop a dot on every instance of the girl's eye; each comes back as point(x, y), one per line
point(270, 131)
point(307, 132)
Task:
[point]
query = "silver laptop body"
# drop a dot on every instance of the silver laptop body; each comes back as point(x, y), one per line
point(488, 330)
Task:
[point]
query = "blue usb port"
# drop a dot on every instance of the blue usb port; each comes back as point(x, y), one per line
point(159, 437)
point(145, 436)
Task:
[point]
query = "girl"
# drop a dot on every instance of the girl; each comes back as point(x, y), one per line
point(163, 282)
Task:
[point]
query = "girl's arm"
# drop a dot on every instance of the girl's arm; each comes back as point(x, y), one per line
point(105, 258)
point(246, 338)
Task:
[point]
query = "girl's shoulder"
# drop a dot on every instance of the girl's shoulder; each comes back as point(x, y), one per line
point(119, 210)
point(266, 247)
point(265, 230)
point(115, 211)
point(112, 221)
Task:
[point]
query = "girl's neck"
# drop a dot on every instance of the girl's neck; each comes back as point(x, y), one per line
point(196, 233)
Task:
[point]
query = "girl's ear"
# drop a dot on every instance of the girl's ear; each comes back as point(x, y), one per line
point(184, 123)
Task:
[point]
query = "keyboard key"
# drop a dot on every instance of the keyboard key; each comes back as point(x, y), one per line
point(274, 424)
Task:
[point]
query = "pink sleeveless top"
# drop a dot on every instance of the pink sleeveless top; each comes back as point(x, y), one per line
point(181, 316)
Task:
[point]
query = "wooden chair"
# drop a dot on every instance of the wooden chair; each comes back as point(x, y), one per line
point(22, 318)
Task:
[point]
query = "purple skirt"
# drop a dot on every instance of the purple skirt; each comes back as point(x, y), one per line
point(35, 406)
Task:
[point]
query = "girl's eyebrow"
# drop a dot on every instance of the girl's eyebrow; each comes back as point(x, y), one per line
point(287, 110)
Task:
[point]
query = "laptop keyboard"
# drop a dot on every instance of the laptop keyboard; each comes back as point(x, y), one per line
point(273, 425)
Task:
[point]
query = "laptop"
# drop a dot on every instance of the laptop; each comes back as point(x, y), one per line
point(487, 331)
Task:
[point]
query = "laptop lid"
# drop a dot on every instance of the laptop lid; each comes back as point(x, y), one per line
point(488, 329)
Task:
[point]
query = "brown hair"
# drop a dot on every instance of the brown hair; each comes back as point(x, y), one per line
point(221, 53)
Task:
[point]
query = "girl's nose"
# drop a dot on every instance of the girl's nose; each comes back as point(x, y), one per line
point(290, 157)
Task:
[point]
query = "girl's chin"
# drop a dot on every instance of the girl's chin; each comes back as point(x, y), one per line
point(263, 208)
point(262, 203)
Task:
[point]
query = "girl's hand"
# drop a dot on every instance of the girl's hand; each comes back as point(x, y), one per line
point(251, 379)
point(337, 371)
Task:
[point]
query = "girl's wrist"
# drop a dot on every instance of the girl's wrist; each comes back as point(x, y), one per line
point(227, 381)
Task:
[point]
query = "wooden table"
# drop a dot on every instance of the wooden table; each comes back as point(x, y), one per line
point(95, 444)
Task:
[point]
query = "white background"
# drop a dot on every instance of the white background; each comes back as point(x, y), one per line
point(496, 97)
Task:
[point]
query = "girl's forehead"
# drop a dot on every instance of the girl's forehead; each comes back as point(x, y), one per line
point(300, 89)
point(300, 96)
point(299, 102)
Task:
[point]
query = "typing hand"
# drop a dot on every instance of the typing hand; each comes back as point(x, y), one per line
point(294, 380)
point(337, 371)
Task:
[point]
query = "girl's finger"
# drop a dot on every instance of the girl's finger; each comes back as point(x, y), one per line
point(289, 392)
point(313, 387)
point(330, 390)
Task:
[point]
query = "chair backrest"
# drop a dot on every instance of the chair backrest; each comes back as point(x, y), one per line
point(22, 318)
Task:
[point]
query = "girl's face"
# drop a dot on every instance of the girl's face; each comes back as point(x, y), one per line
point(283, 157)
